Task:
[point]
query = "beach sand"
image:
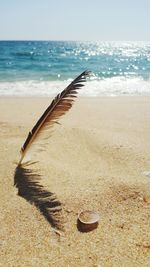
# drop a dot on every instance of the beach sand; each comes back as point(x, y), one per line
point(97, 159)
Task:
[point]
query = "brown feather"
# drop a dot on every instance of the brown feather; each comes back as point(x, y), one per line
point(58, 107)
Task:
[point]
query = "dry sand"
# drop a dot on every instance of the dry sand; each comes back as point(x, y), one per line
point(95, 159)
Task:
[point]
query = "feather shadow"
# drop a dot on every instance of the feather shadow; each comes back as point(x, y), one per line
point(26, 179)
point(27, 182)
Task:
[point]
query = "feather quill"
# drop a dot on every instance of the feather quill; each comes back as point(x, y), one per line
point(58, 107)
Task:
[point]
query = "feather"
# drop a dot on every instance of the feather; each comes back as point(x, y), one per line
point(58, 107)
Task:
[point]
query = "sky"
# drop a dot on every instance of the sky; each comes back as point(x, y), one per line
point(84, 20)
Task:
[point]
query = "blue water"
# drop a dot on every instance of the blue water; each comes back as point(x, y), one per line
point(44, 67)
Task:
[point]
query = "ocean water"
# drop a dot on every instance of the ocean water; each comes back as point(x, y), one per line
point(44, 68)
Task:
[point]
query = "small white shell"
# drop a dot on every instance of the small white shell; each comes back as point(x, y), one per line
point(146, 173)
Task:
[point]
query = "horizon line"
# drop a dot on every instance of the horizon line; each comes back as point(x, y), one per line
point(67, 40)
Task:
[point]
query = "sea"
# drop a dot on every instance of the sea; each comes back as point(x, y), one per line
point(44, 68)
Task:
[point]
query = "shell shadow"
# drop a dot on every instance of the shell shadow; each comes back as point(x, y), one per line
point(27, 182)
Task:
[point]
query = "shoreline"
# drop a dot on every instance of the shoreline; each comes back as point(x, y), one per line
point(78, 98)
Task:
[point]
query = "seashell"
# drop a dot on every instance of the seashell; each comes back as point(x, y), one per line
point(146, 173)
point(87, 220)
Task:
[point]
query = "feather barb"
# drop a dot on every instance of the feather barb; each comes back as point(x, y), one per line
point(58, 107)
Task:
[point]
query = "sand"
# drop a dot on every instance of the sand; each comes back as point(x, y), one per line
point(97, 159)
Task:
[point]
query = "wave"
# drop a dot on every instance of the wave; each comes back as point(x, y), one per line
point(115, 86)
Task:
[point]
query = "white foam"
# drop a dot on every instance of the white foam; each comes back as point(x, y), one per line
point(116, 86)
point(103, 87)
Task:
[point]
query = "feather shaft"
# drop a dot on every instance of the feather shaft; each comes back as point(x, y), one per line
point(58, 107)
